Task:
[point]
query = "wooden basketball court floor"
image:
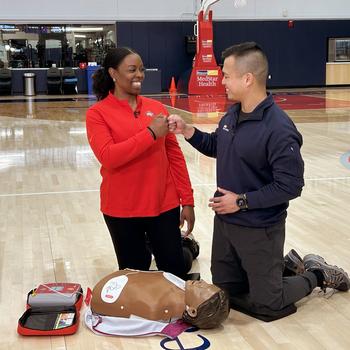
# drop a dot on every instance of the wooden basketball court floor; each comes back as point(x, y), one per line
point(51, 228)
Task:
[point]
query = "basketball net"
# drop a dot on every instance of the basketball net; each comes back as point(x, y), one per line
point(239, 3)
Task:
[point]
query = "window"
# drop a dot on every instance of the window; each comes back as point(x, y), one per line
point(66, 45)
point(338, 49)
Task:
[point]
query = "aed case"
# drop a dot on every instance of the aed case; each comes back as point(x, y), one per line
point(46, 319)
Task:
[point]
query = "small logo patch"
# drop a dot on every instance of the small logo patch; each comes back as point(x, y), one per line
point(150, 114)
point(225, 127)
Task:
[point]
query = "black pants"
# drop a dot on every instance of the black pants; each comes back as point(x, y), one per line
point(248, 263)
point(129, 240)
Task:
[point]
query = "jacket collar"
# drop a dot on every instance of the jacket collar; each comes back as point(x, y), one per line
point(124, 103)
point(258, 112)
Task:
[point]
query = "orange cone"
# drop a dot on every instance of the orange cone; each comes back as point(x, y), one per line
point(172, 89)
point(172, 99)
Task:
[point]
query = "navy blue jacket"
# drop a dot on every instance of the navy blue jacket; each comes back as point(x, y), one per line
point(259, 156)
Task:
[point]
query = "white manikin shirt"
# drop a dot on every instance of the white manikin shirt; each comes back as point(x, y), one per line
point(133, 325)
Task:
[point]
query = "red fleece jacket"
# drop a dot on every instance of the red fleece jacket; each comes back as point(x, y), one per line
point(140, 176)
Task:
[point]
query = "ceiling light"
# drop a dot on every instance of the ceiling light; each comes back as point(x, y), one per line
point(9, 30)
point(84, 29)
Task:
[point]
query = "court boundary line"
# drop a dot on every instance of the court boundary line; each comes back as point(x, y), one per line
point(179, 109)
point(193, 185)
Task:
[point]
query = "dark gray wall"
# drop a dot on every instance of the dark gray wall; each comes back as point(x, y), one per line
point(160, 44)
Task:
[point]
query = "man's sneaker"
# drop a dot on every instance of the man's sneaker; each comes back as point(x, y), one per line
point(333, 276)
point(294, 263)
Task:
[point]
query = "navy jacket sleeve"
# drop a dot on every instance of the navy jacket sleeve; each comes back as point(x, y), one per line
point(285, 160)
point(204, 142)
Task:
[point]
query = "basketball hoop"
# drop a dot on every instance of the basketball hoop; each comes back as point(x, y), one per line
point(239, 3)
point(206, 4)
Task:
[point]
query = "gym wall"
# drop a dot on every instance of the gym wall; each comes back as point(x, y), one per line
point(37, 11)
point(297, 55)
point(157, 29)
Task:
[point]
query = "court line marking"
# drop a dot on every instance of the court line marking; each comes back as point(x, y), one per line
point(45, 193)
point(178, 109)
point(328, 178)
point(193, 185)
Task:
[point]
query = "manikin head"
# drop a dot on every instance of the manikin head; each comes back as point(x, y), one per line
point(207, 306)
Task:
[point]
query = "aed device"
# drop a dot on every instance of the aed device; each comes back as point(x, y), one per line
point(55, 294)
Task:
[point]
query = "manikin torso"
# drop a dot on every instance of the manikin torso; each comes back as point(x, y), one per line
point(152, 295)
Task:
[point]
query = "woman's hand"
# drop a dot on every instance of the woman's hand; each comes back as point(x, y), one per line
point(159, 125)
point(187, 214)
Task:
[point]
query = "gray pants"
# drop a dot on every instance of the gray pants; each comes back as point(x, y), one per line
point(247, 262)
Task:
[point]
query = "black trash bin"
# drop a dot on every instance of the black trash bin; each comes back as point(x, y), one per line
point(29, 84)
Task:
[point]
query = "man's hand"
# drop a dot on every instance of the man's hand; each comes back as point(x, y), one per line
point(225, 204)
point(187, 214)
point(159, 125)
point(178, 126)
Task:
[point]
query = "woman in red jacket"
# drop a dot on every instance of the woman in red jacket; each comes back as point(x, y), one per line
point(145, 181)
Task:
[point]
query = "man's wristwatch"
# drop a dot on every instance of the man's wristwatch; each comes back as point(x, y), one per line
point(242, 202)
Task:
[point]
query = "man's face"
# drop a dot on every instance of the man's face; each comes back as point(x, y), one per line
point(233, 80)
point(196, 293)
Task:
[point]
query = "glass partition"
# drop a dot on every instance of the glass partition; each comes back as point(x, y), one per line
point(66, 45)
point(338, 49)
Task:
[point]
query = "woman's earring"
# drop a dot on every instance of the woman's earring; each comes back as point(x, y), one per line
point(114, 80)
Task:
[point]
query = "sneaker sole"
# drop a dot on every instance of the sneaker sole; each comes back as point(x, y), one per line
point(294, 257)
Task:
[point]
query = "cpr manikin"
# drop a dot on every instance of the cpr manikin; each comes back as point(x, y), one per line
point(134, 303)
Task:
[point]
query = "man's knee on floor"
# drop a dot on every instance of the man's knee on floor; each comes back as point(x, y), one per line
point(245, 304)
point(267, 301)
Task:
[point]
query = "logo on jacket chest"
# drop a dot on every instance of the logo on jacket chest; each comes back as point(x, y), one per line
point(226, 128)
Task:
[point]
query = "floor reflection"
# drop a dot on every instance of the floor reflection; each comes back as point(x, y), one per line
point(308, 106)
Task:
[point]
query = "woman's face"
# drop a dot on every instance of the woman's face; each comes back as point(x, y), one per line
point(129, 75)
point(196, 293)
